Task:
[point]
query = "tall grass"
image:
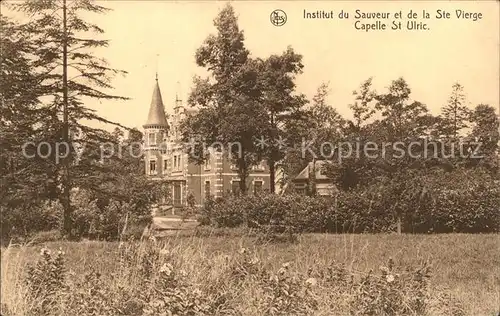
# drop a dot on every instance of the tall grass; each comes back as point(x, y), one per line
point(464, 278)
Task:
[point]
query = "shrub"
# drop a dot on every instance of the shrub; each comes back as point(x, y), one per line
point(392, 292)
point(47, 236)
point(45, 282)
point(423, 205)
point(97, 218)
point(286, 294)
point(24, 222)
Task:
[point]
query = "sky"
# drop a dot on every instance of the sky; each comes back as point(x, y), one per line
point(162, 36)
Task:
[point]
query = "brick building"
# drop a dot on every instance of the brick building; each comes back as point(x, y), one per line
point(213, 178)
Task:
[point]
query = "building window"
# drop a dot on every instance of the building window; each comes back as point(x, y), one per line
point(208, 162)
point(177, 162)
point(322, 170)
point(152, 138)
point(257, 187)
point(165, 165)
point(207, 189)
point(235, 187)
point(301, 191)
point(152, 167)
point(177, 194)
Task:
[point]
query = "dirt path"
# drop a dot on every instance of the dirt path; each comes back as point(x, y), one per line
point(162, 226)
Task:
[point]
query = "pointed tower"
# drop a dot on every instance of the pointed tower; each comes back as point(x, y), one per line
point(178, 101)
point(178, 114)
point(155, 134)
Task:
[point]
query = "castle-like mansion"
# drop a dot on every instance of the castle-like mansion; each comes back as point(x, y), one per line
point(213, 178)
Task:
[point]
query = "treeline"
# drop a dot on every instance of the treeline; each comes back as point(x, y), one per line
point(45, 69)
point(246, 99)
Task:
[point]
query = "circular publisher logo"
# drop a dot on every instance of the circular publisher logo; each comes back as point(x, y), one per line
point(278, 17)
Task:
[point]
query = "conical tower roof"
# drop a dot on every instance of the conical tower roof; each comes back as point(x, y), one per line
point(156, 114)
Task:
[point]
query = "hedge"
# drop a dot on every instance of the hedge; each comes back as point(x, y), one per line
point(473, 209)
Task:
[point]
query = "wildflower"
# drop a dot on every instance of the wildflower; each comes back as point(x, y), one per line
point(284, 268)
point(164, 252)
point(60, 252)
point(255, 260)
point(196, 292)
point(44, 252)
point(166, 268)
point(390, 278)
point(242, 250)
point(311, 281)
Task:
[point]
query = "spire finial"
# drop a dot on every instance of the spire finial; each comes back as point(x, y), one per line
point(178, 101)
point(178, 91)
point(157, 57)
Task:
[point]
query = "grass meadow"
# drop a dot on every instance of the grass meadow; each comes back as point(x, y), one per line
point(464, 275)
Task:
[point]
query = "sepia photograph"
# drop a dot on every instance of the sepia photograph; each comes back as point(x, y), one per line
point(244, 157)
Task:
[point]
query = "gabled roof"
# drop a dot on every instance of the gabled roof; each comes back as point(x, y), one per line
point(156, 114)
point(304, 174)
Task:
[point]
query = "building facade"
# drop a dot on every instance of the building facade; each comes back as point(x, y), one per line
point(167, 159)
point(324, 184)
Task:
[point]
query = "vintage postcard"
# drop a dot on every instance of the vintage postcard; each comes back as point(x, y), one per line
point(249, 158)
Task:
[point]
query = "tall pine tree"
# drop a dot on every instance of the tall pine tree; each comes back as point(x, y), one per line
point(455, 114)
point(69, 74)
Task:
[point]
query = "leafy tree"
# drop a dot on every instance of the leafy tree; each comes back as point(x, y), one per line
point(315, 133)
point(351, 170)
point(230, 112)
point(361, 108)
point(485, 131)
point(400, 115)
point(282, 106)
point(403, 123)
point(327, 130)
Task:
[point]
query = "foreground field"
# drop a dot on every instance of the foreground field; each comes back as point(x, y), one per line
point(464, 276)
